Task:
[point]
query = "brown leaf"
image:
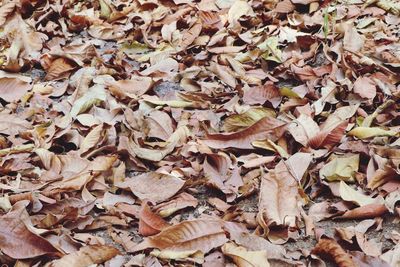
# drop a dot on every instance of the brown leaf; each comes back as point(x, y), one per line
point(13, 89)
point(149, 222)
point(278, 204)
point(17, 239)
point(12, 124)
point(191, 34)
point(182, 201)
point(331, 250)
point(365, 212)
point(266, 128)
point(59, 68)
point(261, 94)
point(202, 235)
point(86, 256)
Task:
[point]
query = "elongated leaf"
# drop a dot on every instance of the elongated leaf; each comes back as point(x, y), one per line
point(202, 235)
point(266, 128)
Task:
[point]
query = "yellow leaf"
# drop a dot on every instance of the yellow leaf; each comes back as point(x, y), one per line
point(239, 122)
point(269, 145)
point(349, 194)
point(285, 91)
point(271, 50)
point(193, 255)
point(238, 9)
point(340, 168)
point(244, 258)
point(368, 132)
point(93, 96)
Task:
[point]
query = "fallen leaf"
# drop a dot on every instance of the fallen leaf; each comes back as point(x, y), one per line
point(196, 235)
point(349, 194)
point(244, 258)
point(153, 186)
point(340, 168)
point(149, 222)
point(266, 128)
point(331, 250)
point(18, 241)
point(86, 256)
point(368, 132)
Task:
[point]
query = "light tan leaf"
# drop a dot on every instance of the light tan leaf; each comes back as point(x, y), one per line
point(224, 73)
point(189, 255)
point(159, 124)
point(87, 256)
point(191, 34)
point(153, 186)
point(368, 132)
point(133, 88)
point(261, 94)
point(92, 139)
point(13, 89)
point(238, 9)
point(278, 198)
point(239, 122)
point(12, 124)
point(340, 168)
point(197, 235)
point(266, 128)
point(245, 258)
point(183, 200)
point(352, 41)
point(349, 194)
point(365, 87)
point(178, 137)
point(95, 95)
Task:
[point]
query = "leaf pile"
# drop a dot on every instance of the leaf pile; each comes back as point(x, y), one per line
point(207, 132)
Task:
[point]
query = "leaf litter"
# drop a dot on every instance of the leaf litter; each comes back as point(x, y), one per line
point(209, 133)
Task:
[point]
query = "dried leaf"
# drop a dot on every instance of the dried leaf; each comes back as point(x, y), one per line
point(153, 186)
point(244, 258)
point(197, 235)
point(266, 128)
point(86, 256)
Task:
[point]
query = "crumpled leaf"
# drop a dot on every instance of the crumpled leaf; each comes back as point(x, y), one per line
point(278, 203)
point(178, 137)
point(244, 258)
point(340, 168)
